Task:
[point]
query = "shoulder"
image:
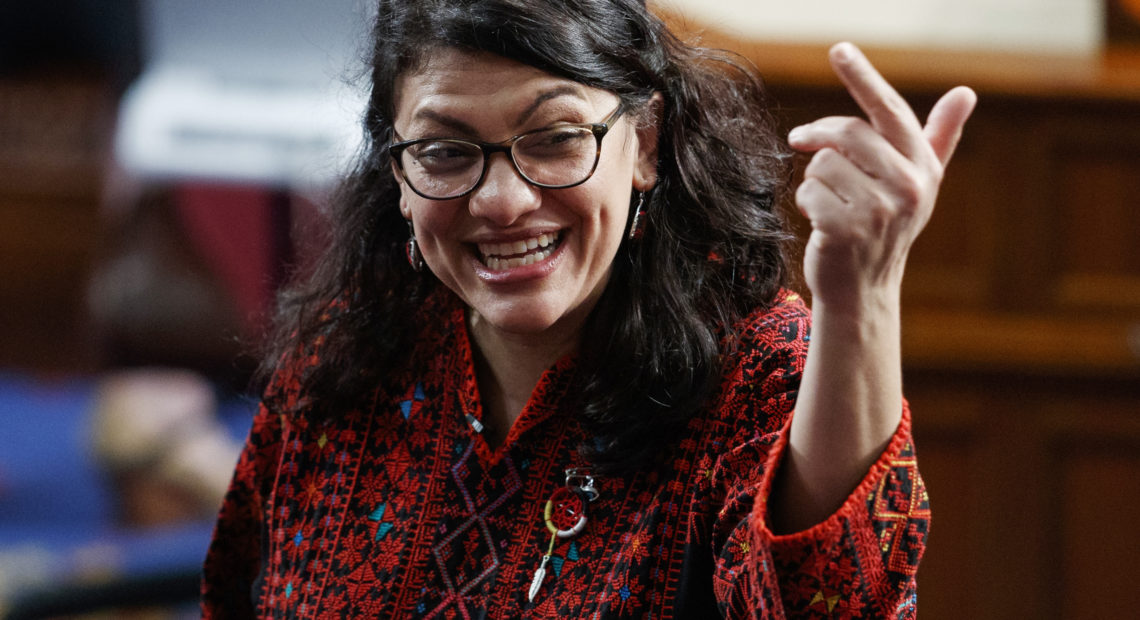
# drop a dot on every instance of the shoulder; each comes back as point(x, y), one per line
point(763, 363)
point(784, 327)
point(431, 325)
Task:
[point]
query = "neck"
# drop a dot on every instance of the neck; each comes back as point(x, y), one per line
point(508, 366)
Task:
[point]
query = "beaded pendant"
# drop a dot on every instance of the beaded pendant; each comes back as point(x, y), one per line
point(565, 517)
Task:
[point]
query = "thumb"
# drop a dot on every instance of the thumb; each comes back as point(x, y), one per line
point(944, 125)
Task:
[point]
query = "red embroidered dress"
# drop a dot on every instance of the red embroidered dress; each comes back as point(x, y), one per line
point(402, 510)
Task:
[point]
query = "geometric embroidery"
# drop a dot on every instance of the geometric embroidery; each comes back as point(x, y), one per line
point(829, 601)
point(414, 398)
point(902, 511)
point(382, 529)
point(468, 555)
point(466, 542)
point(571, 556)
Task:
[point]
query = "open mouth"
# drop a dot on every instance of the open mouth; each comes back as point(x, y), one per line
point(500, 256)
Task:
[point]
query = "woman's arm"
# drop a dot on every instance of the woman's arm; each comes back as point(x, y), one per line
point(869, 190)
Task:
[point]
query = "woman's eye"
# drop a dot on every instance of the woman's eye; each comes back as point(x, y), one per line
point(558, 141)
point(443, 155)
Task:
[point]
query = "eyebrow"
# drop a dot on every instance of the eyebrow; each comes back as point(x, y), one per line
point(453, 123)
point(560, 91)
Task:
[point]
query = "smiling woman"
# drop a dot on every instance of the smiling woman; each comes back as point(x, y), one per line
point(484, 244)
point(559, 273)
point(529, 254)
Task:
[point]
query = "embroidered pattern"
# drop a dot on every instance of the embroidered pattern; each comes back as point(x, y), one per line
point(404, 511)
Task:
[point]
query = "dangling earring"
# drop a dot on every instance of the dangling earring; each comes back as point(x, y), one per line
point(637, 221)
point(415, 259)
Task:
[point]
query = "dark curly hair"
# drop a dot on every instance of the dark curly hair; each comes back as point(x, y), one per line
point(712, 251)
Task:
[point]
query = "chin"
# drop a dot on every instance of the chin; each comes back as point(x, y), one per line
point(530, 317)
point(533, 323)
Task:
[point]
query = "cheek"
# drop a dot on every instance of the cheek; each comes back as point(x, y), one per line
point(606, 227)
point(431, 228)
point(431, 218)
point(616, 209)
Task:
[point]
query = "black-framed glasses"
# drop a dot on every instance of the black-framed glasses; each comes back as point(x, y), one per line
point(555, 157)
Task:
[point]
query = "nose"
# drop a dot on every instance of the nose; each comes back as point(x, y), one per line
point(503, 196)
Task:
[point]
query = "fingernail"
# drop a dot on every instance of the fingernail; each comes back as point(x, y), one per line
point(796, 134)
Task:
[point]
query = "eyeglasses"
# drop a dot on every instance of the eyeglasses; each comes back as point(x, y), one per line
point(554, 158)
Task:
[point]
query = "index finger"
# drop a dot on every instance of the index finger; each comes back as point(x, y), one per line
point(886, 109)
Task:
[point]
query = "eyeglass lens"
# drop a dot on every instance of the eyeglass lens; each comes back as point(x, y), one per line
point(558, 156)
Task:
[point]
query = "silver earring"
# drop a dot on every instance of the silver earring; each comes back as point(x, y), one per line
point(412, 249)
point(637, 223)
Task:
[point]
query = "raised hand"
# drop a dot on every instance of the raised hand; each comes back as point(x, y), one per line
point(869, 190)
point(871, 185)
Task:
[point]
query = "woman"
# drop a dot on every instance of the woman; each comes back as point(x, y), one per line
point(553, 374)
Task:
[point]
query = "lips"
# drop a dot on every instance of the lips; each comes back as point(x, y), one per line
point(511, 254)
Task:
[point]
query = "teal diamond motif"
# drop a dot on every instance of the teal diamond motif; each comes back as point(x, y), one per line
point(417, 396)
point(382, 529)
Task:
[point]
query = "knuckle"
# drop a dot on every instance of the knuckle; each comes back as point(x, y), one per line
point(936, 173)
point(910, 190)
point(829, 155)
point(850, 128)
point(821, 161)
point(908, 211)
point(881, 218)
point(806, 189)
point(810, 194)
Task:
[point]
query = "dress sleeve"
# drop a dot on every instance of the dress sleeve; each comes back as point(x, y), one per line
point(859, 562)
point(235, 554)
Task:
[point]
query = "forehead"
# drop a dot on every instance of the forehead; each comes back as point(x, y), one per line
point(459, 81)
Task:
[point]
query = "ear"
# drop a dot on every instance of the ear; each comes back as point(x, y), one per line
point(404, 210)
point(648, 130)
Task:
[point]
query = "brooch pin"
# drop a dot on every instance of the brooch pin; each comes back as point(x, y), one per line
point(565, 517)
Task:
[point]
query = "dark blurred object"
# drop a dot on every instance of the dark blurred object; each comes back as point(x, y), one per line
point(73, 35)
point(153, 299)
point(1122, 22)
point(151, 595)
point(188, 273)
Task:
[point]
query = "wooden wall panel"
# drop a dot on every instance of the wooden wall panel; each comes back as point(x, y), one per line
point(1094, 472)
point(951, 266)
point(1021, 326)
point(1097, 194)
point(1033, 483)
point(951, 460)
point(44, 265)
point(54, 146)
point(1099, 542)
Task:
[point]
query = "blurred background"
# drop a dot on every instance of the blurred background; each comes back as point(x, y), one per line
point(163, 165)
point(162, 168)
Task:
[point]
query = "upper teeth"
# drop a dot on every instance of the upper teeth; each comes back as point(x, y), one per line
point(493, 253)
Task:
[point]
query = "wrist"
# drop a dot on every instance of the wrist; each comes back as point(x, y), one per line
point(880, 306)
